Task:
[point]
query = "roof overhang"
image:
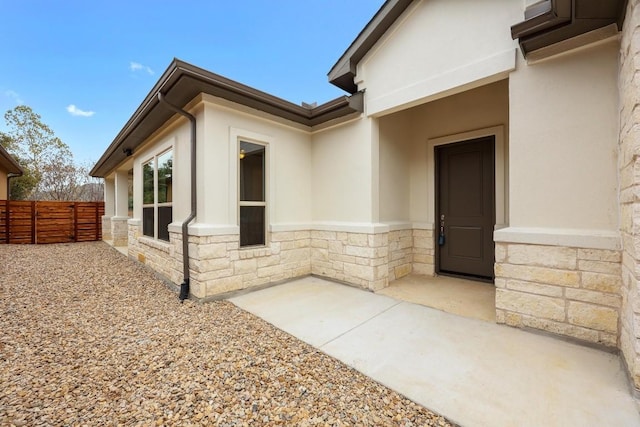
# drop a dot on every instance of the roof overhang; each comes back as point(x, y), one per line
point(342, 74)
point(553, 21)
point(8, 163)
point(182, 82)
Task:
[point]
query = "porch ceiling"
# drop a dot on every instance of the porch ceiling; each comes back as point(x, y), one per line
point(182, 82)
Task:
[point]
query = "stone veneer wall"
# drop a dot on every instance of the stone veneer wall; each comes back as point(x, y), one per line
point(119, 231)
point(218, 265)
point(360, 259)
point(564, 290)
point(106, 227)
point(423, 252)
point(400, 253)
point(629, 169)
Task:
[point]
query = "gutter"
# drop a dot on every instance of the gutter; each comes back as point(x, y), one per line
point(184, 287)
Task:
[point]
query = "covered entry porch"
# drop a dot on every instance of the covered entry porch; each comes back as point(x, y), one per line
point(443, 173)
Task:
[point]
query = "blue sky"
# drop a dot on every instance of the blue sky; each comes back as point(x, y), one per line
point(85, 66)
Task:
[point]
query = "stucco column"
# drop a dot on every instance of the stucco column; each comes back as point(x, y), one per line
point(109, 207)
point(629, 164)
point(119, 229)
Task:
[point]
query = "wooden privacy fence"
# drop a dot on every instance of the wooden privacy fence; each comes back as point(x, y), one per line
point(50, 222)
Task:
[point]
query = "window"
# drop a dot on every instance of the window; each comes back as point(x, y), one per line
point(252, 194)
point(157, 196)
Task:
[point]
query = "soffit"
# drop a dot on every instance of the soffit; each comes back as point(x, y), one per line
point(8, 163)
point(182, 82)
point(554, 21)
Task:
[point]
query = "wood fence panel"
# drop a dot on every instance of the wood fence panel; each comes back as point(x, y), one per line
point(21, 222)
point(54, 222)
point(50, 222)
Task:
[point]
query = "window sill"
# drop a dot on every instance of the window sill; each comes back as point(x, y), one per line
point(160, 245)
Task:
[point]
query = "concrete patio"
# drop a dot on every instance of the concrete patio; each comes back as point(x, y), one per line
point(474, 372)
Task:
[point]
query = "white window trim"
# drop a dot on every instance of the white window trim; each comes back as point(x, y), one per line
point(155, 205)
point(235, 137)
point(265, 204)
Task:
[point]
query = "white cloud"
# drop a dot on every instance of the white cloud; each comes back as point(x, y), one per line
point(15, 96)
point(75, 111)
point(136, 66)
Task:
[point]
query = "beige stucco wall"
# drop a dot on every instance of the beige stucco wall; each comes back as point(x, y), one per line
point(3, 184)
point(342, 161)
point(563, 136)
point(396, 152)
point(436, 48)
point(406, 147)
point(288, 166)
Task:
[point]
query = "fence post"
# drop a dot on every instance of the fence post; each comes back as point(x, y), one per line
point(34, 213)
point(7, 223)
point(75, 221)
point(96, 206)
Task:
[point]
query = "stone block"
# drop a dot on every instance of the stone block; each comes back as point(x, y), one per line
point(283, 236)
point(601, 282)
point(377, 240)
point(302, 235)
point(593, 316)
point(244, 266)
point(424, 269)
point(594, 297)
point(599, 267)
point(213, 250)
point(534, 288)
point(530, 304)
point(319, 243)
point(402, 270)
point(359, 272)
point(542, 275)
point(227, 284)
point(268, 261)
point(359, 251)
point(600, 255)
point(327, 235)
point(561, 328)
point(358, 239)
point(500, 252)
point(543, 256)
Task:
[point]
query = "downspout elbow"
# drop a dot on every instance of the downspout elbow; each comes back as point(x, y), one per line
point(184, 287)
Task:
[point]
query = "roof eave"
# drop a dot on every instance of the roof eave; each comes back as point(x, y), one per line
point(343, 72)
point(555, 21)
point(9, 163)
point(181, 76)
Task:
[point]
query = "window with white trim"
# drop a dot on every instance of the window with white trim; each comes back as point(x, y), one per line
point(252, 201)
point(157, 196)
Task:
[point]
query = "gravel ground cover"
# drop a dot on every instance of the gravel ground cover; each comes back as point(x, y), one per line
point(88, 337)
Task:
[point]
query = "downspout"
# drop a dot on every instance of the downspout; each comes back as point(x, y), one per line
point(184, 287)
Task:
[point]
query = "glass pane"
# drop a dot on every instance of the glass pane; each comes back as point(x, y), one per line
point(251, 172)
point(251, 225)
point(147, 221)
point(147, 183)
point(165, 215)
point(165, 172)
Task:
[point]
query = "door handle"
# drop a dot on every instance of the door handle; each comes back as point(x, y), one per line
point(441, 237)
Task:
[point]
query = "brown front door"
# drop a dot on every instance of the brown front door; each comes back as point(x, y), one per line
point(465, 208)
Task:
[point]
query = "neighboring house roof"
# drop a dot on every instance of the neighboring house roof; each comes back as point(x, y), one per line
point(546, 23)
point(8, 163)
point(182, 82)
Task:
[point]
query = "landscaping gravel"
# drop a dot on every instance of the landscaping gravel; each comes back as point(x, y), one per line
point(88, 337)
